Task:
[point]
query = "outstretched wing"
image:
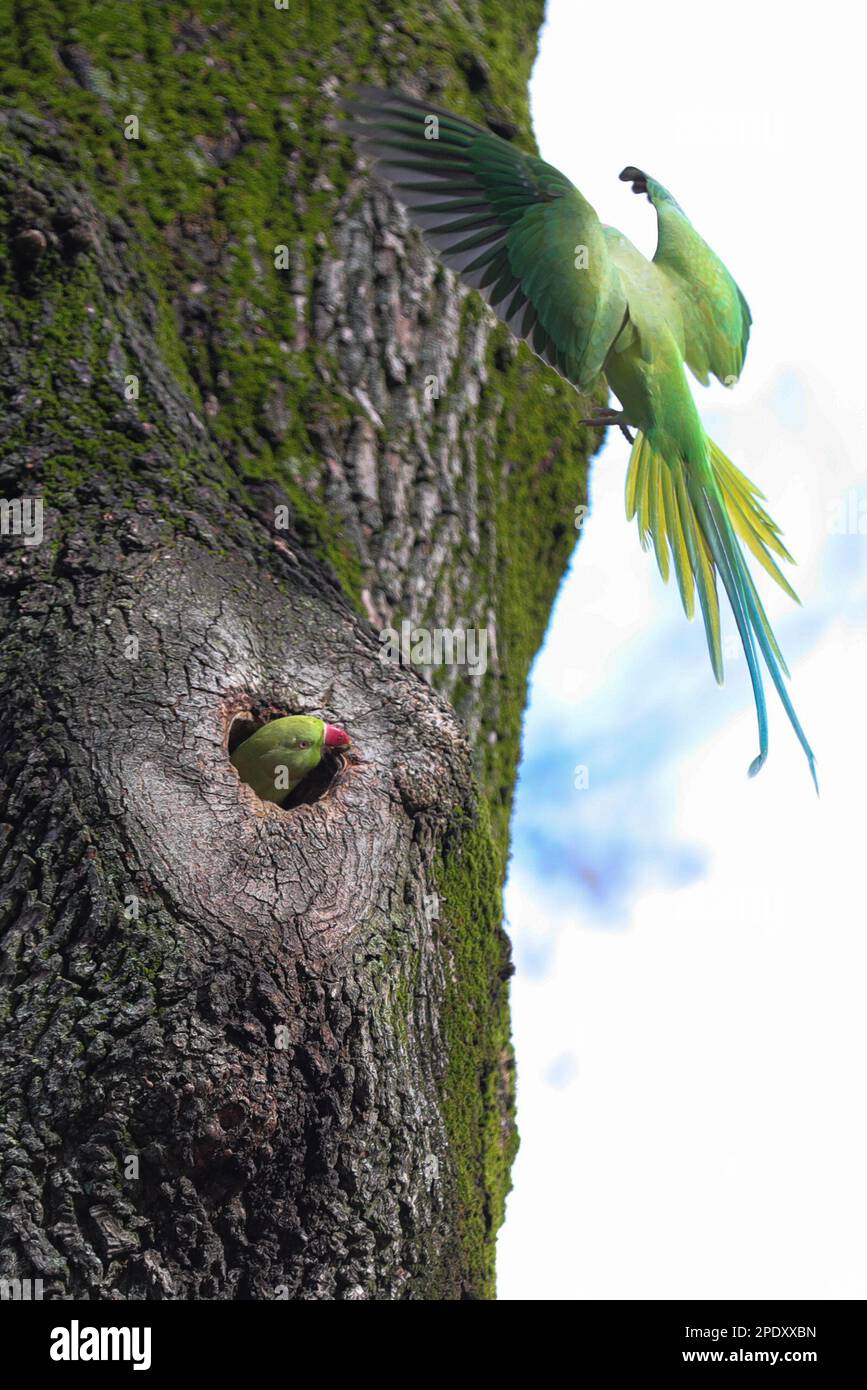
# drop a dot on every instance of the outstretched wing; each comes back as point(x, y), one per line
point(716, 317)
point(513, 226)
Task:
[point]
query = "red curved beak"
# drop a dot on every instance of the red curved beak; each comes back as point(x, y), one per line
point(336, 737)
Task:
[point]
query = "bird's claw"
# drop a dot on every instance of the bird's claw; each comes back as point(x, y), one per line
point(602, 418)
point(636, 177)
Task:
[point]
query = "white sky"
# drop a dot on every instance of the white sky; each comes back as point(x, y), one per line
point(690, 1028)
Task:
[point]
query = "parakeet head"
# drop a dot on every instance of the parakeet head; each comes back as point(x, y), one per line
point(300, 741)
point(276, 757)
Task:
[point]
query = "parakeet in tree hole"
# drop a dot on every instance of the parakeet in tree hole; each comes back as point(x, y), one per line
point(276, 758)
point(587, 301)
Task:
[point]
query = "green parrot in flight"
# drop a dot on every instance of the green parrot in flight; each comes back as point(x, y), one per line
point(587, 301)
point(276, 757)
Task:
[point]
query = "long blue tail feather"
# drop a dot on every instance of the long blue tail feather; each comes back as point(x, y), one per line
point(750, 621)
point(697, 512)
point(726, 556)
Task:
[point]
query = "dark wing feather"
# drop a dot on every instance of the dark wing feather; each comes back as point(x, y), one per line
point(512, 226)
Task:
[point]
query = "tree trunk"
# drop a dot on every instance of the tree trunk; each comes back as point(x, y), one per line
point(255, 1052)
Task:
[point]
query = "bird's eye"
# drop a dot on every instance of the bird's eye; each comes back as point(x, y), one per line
point(302, 743)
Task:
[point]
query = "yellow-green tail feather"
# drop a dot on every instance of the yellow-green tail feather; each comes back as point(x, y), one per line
point(694, 517)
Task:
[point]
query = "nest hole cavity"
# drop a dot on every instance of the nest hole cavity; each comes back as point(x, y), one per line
point(317, 785)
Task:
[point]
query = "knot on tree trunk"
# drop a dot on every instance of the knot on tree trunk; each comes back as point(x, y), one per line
point(202, 646)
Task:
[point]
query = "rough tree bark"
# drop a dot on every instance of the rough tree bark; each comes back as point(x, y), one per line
point(250, 1052)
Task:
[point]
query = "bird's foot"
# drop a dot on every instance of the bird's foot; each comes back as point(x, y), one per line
point(637, 178)
point(600, 419)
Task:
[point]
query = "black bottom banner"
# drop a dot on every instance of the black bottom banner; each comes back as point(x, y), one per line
point(84, 1339)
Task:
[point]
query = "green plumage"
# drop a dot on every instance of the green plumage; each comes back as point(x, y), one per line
point(586, 300)
point(275, 759)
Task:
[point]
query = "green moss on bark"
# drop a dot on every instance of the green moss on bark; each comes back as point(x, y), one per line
point(479, 1084)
